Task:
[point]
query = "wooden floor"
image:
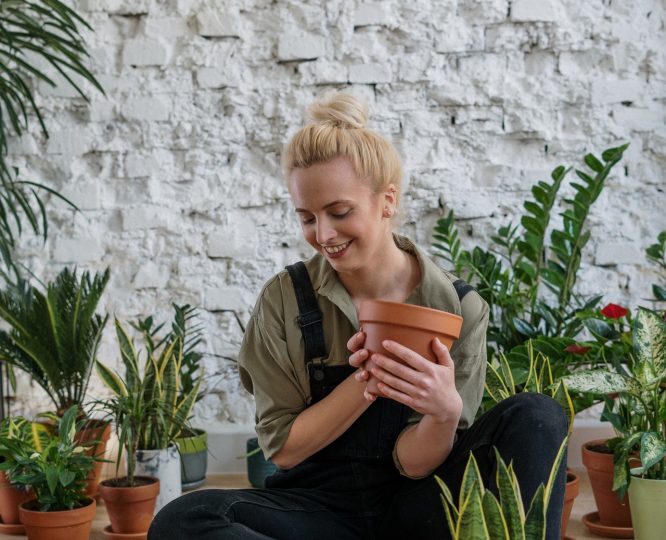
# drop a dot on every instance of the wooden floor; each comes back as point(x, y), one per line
point(584, 504)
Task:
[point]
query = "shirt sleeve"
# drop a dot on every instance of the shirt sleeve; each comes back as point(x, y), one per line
point(267, 372)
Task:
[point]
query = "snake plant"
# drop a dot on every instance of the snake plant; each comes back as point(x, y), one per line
point(148, 408)
point(480, 515)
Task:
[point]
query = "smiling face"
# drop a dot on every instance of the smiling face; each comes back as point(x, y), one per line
point(340, 214)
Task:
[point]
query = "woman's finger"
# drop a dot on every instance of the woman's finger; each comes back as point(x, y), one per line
point(442, 353)
point(401, 371)
point(411, 358)
point(356, 341)
point(358, 358)
point(397, 383)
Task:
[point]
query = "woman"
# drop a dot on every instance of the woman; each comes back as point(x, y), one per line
point(352, 466)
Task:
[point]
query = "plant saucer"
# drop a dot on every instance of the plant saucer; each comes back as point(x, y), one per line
point(591, 521)
point(12, 528)
point(110, 535)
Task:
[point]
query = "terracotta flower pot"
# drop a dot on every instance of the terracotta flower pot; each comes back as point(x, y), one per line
point(571, 491)
point(10, 499)
point(59, 525)
point(412, 326)
point(612, 511)
point(130, 509)
point(95, 430)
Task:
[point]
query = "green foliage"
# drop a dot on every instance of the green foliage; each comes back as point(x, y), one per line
point(149, 410)
point(480, 515)
point(657, 254)
point(55, 334)
point(635, 400)
point(528, 267)
point(501, 383)
point(56, 472)
point(33, 34)
point(191, 336)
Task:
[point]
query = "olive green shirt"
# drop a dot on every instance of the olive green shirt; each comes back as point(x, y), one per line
point(272, 356)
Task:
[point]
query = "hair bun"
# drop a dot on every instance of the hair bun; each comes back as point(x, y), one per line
point(341, 110)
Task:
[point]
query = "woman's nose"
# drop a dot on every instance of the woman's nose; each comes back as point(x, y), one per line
point(325, 232)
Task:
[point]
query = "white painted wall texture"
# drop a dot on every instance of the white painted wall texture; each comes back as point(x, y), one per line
point(176, 169)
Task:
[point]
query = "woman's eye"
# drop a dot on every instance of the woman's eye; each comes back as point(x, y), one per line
point(342, 214)
point(308, 221)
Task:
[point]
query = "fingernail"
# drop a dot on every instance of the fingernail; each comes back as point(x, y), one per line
point(386, 344)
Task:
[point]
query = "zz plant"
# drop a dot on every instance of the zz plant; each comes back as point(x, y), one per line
point(480, 515)
point(528, 277)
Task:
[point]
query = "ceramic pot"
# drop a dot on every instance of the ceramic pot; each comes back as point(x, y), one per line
point(130, 509)
point(163, 464)
point(648, 505)
point(258, 468)
point(571, 491)
point(10, 499)
point(193, 459)
point(59, 525)
point(412, 326)
point(612, 511)
point(100, 431)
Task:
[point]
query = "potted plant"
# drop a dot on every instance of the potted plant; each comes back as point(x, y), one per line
point(34, 434)
point(149, 411)
point(636, 405)
point(482, 516)
point(54, 336)
point(57, 475)
point(192, 442)
point(501, 383)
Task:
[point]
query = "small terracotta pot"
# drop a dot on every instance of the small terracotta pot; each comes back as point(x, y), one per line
point(59, 525)
point(412, 326)
point(10, 499)
point(130, 509)
point(571, 491)
point(612, 511)
point(100, 431)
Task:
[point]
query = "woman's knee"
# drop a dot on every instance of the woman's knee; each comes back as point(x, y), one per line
point(537, 413)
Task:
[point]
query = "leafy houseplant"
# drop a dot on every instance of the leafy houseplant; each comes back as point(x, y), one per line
point(528, 262)
point(657, 254)
point(192, 442)
point(57, 476)
point(479, 515)
point(55, 334)
point(148, 410)
point(33, 34)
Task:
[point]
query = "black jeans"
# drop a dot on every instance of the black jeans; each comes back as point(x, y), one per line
point(526, 429)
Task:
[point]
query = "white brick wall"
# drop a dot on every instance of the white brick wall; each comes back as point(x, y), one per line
point(177, 168)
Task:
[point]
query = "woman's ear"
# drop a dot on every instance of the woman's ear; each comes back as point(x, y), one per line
point(390, 201)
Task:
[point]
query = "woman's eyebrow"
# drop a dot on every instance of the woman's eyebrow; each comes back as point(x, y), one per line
point(339, 201)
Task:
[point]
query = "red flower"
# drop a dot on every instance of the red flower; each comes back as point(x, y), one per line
point(613, 311)
point(577, 349)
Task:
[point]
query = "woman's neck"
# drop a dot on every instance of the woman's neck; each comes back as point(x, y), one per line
point(393, 276)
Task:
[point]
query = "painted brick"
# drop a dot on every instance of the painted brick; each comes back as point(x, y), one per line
point(146, 108)
point(534, 10)
point(323, 72)
point(151, 276)
point(145, 52)
point(616, 91)
point(612, 253)
point(373, 13)
point(221, 298)
point(300, 46)
point(77, 250)
point(216, 23)
point(369, 73)
point(639, 119)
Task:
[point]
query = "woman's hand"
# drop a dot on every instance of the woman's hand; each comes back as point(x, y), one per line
point(360, 359)
point(427, 387)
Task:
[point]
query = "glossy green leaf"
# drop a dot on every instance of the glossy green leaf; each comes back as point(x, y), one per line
point(495, 523)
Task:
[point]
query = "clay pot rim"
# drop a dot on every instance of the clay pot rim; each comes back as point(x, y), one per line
point(410, 316)
point(153, 480)
point(108, 533)
point(58, 518)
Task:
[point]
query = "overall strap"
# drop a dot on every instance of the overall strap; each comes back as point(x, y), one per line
point(309, 314)
point(462, 288)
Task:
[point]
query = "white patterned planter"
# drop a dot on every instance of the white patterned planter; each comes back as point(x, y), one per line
point(165, 465)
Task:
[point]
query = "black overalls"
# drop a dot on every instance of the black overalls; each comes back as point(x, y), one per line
point(351, 490)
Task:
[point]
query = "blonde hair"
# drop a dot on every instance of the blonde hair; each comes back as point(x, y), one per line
point(337, 129)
